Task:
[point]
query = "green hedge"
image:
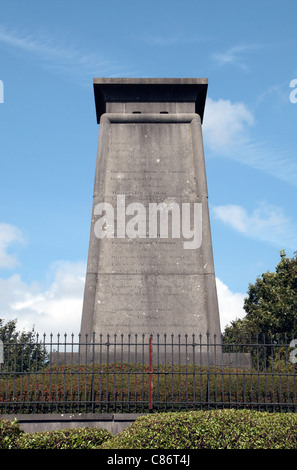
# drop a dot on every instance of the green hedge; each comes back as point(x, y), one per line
point(13, 437)
point(78, 438)
point(218, 429)
point(10, 431)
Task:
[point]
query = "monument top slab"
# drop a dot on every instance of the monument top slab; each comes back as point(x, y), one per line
point(149, 90)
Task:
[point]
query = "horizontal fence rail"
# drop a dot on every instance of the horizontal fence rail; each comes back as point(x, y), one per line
point(141, 373)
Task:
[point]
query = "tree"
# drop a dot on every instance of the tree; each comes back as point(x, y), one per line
point(271, 318)
point(22, 350)
point(271, 303)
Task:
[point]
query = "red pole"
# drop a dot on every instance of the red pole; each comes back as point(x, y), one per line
point(150, 374)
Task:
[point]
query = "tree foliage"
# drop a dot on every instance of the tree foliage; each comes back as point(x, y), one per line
point(271, 303)
point(22, 350)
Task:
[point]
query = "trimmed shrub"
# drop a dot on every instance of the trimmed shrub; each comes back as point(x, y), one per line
point(10, 431)
point(217, 429)
point(78, 438)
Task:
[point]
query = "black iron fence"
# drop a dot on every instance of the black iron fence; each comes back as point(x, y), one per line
point(141, 373)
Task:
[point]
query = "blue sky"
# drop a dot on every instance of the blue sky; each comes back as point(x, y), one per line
point(49, 54)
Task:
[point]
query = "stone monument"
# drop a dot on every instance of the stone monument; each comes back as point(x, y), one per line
point(150, 264)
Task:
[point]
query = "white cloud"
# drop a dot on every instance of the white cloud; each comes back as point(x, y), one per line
point(9, 235)
point(227, 132)
point(53, 53)
point(234, 55)
point(56, 309)
point(226, 124)
point(279, 92)
point(230, 304)
point(267, 223)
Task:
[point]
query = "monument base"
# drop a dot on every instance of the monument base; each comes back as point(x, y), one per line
point(147, 350)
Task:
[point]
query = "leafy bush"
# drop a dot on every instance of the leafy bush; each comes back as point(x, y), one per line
point(78, 438)
point(10, 431)
point(218, 429)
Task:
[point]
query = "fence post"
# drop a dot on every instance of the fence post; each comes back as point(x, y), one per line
point(150, 374)
point(1, 353)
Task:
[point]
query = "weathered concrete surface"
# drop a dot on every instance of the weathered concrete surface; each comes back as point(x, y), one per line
point(214, 357)
point(150, 150)
point(150, 95)
point(113, 422)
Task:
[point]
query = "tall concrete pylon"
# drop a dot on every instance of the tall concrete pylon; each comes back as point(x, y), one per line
point(150, 174)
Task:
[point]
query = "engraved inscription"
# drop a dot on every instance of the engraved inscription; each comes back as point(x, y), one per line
point(149, 283)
